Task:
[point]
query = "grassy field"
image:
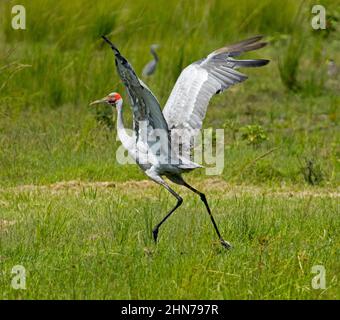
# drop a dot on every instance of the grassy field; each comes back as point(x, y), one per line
point(81, 224)
point(94, 241)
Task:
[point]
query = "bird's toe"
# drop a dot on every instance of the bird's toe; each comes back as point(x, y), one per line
point(225, 244)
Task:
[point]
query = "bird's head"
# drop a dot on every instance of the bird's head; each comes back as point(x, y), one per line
point(155, 46)
point(113, 99)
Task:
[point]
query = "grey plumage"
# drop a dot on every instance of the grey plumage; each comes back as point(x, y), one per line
point(151, 66)
point(189, 99)
point(182, 116)
point(145, 105)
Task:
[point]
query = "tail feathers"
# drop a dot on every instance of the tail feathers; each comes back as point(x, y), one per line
point(188, 165)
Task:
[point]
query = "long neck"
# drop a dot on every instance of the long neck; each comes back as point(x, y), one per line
point(153, 52)
point(122, 134)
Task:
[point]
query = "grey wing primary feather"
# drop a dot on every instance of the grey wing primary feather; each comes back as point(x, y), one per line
point(242, 46)
point(144, 104)
point(187, 105)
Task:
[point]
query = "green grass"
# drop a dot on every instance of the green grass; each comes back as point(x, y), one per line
point(95, 242)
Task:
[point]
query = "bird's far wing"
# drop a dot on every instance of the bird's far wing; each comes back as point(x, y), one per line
point(144, 104)
point(187, 105)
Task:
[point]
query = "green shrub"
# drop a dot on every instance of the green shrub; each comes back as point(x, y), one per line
point(253, 134)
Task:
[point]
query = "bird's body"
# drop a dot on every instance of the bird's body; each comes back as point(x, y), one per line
point(162, 141)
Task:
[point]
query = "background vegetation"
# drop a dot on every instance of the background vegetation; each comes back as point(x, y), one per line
point(282, 133)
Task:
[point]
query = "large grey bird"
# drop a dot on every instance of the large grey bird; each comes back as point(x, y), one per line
point(151, 66)
point(159, 136)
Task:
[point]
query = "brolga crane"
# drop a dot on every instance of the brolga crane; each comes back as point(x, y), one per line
point(150, 67)
point(181, 118)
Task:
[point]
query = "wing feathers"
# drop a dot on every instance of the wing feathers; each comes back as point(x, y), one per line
point(250, 63)
point(189, 99)
point(144, 104)
point(240, 47)
point(245, 42)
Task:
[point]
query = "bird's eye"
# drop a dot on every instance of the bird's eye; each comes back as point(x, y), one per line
point(111, 101)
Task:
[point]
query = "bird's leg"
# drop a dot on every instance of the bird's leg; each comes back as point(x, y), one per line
point(160, 181)
point(224, 243)
point(156, 228)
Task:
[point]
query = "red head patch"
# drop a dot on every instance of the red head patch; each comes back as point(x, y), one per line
point(117, 96)
point(113, 97)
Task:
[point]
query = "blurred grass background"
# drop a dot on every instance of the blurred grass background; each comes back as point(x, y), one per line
point(54, 68)
point(281, 133)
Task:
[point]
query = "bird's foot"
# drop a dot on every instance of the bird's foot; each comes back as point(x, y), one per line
point(225, 244)
point(155, 234)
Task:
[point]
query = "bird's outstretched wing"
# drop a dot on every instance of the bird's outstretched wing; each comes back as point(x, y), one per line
point(144, 104)
point(187, 105)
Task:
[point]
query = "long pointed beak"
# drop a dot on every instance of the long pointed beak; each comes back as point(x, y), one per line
point(98, 101)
